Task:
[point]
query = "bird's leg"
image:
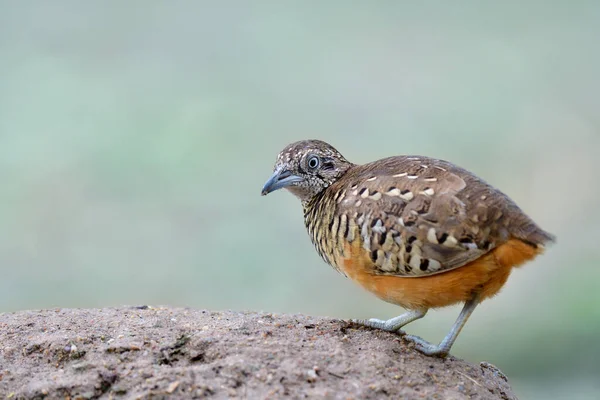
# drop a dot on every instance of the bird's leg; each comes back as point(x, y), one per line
point(443, 348)
point(394, 324)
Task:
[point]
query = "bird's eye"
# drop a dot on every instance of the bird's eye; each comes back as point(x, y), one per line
point(313, 162)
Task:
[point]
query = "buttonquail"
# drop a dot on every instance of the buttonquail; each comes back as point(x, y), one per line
point(414, 231)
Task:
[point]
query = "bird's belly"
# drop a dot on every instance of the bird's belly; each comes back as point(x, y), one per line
point(486, 274)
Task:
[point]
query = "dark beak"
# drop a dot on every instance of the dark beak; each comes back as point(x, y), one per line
point(281, 178)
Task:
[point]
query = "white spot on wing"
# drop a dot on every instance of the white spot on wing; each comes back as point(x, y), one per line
point(400, 175)
point(416, 249)
point(431, 235)
point(434, 265)
point(371, 179)
point(378, 229)
point(376, 196)
point(412, 176)
point(389, 264)
point(429, 192)
point(450, 241)
point(393, 192)
point(408, 196)
point(365, 194)
point(415, 262)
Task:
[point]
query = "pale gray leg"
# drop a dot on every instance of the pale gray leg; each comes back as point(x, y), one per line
point(394, 324)
point(443, 348)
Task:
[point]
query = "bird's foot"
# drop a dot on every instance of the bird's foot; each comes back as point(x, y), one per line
point(429, 349)
point(393, 324)
point(390, 325)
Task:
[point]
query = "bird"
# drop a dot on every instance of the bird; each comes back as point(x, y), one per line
point(418, 232)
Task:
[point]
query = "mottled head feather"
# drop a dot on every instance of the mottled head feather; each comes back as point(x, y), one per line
point(299, 159)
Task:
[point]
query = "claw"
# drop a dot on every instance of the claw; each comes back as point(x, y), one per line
point(429, 349)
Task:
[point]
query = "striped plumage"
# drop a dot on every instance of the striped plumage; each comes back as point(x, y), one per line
point(416, 231)
point(417, 216)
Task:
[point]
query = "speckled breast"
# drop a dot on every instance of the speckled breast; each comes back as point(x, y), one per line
point(328, 232)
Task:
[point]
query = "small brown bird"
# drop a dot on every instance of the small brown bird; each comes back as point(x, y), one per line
point(414, 231)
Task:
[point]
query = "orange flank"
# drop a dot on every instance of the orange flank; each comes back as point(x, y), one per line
point(485, 275)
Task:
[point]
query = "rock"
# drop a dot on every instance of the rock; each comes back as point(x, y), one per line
point(141, 352)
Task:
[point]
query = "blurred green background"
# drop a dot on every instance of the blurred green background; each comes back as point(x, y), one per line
point(135, 137)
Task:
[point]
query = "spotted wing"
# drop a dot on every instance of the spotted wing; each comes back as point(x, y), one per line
point(420, 216)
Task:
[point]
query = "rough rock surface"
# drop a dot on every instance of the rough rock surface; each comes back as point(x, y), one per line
point(146, 352)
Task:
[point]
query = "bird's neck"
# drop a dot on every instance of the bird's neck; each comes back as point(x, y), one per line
point(309, 204)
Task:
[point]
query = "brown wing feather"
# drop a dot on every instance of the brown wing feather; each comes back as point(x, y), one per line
point(419, 216)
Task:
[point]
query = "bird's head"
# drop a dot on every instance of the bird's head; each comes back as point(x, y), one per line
point(306, 168)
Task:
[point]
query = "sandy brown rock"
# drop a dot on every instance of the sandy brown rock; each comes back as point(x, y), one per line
point(157, 353)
